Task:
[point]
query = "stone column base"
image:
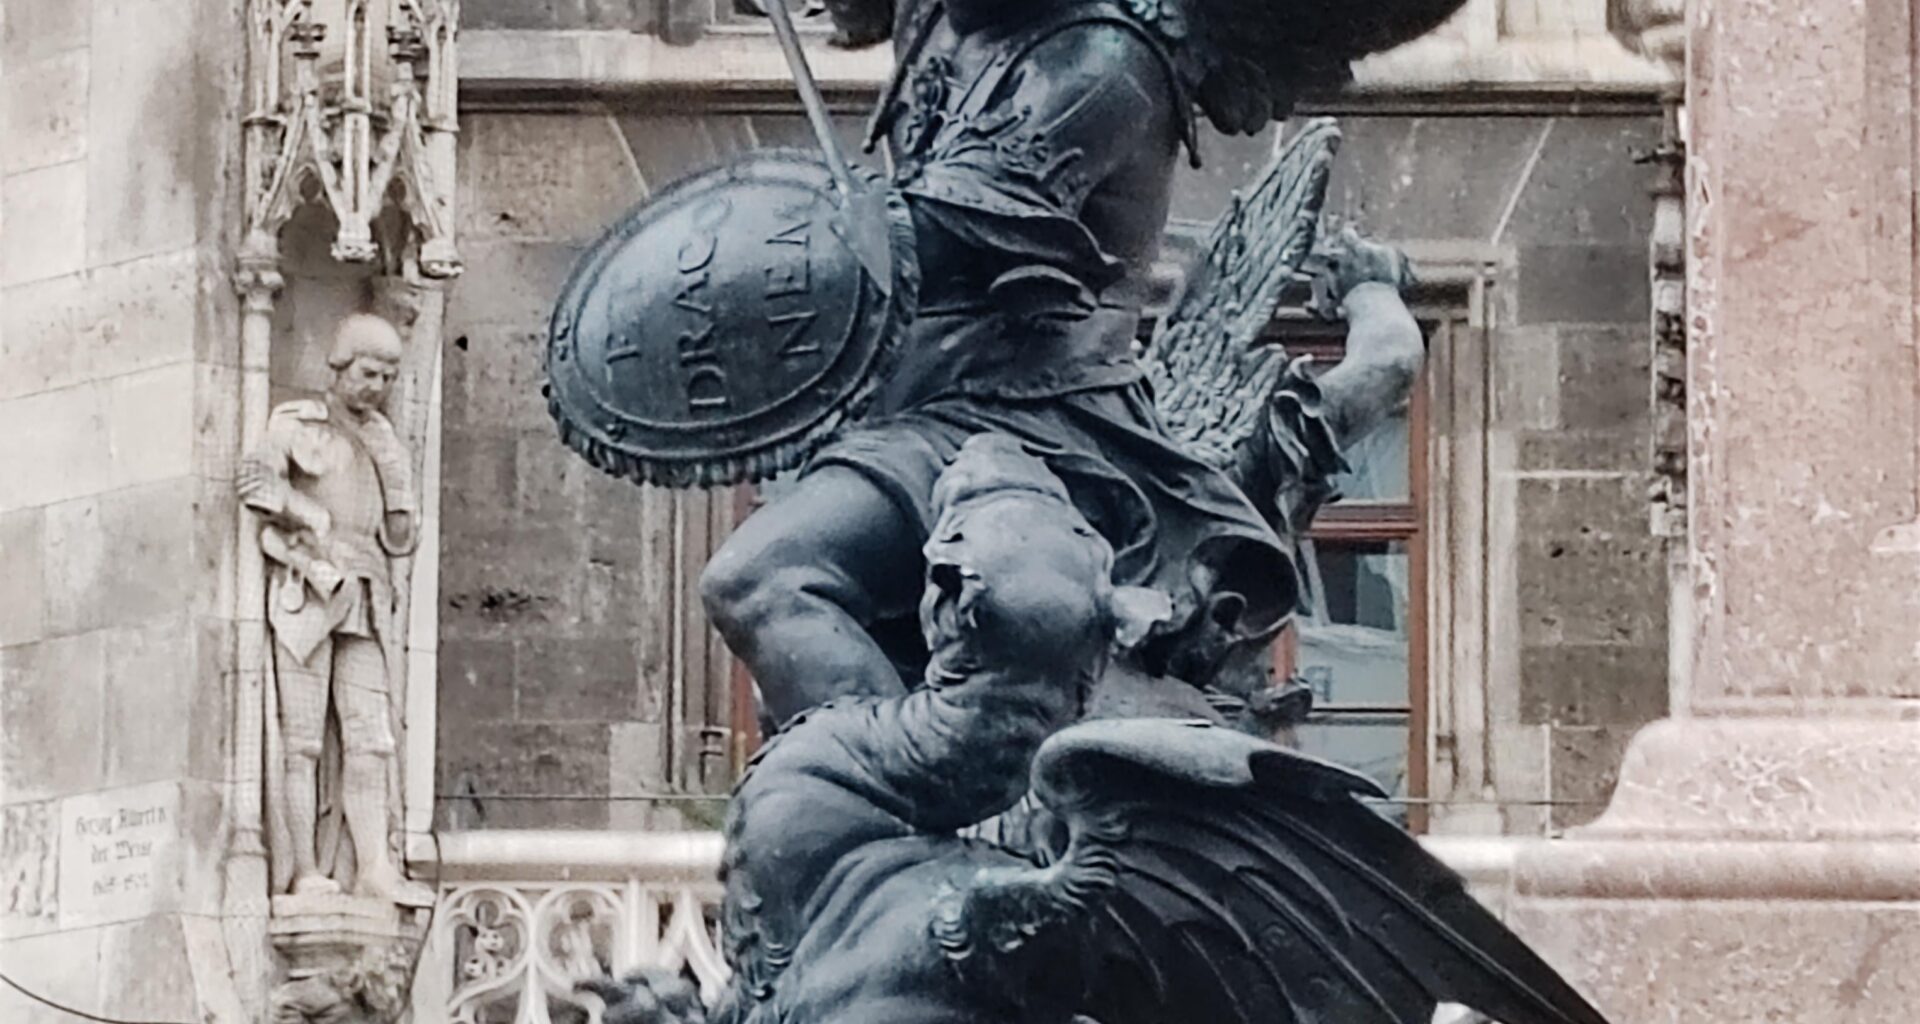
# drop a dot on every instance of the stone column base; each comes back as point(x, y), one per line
point(1749, 869)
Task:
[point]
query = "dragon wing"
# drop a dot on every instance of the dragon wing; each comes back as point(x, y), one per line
point(1210, 380)
point(1211, 876)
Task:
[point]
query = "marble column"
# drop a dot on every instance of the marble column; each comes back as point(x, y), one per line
point(1760, 860)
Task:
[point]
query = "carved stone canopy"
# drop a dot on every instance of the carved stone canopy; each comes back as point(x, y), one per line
point(362, 124)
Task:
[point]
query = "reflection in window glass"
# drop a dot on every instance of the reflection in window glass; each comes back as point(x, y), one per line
point(1353, 641)
point(1377, 468)
point(1353, 652)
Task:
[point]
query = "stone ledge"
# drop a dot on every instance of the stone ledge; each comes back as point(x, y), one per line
point(1704, 870)
point(1761, 779)
point(543, 854)
point(520, 61)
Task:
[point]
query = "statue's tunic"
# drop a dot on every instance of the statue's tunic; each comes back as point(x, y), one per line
point(1038, 161)
point(356, 477)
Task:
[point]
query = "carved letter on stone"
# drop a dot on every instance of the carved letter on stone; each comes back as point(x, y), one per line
point(333, 488)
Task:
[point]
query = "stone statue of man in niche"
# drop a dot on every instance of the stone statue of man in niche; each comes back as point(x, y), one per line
point(333, 487)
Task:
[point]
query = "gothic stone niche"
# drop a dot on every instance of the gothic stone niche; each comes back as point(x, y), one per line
point(333, 489)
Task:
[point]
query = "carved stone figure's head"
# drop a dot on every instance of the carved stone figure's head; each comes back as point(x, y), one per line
point(365, 359)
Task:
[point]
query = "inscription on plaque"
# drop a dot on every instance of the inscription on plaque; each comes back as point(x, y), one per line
point(117, 853)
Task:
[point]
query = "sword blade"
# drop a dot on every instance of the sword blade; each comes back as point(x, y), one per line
point(863, 218)
point(810, 98)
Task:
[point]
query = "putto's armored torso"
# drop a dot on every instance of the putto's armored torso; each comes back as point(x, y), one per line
point(1026, 197)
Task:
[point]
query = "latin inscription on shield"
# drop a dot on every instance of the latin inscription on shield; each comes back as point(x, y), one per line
point(716, 327)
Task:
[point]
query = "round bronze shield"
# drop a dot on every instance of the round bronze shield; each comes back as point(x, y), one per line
point(719, 332)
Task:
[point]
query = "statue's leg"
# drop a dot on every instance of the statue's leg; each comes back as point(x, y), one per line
point(794, 587)
point(360, 694)
point(303, 719)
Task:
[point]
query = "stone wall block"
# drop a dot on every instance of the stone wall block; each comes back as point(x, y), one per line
point(1582, 588)
point(669, 147)
point(147, 59)
point(151, 424)
point(1586, 451)
point(1600, 507)
point(475, 684)
point(1585, 187)
point(1229, 163)
point(537, 759)
point(1431, 177)
point(54, 446)
point(544, 176)
point(1585, 767)
point(504, 369)
point(146, 312)
point(1593, 684)
point(512, 283)
point(149, 705)
point(66, 970)
point(37, 343)
point(550, 482)
point(1519, 768)
point(477, 474)
point(1566, 283)
point(123, 558)
point(1750, 960)
point(209, 692)
point(515, 584)
point(622, 15)
point(43, 112)
point(1526, 379)
point(638, 767)
point(576, 679)
point(144, 973)
point(23, 594)
point(788, 131)
point(215, 450)
point(45, 212)
point(50, 717)
point(32, 29)
point(1604, 375)
point(101, 323)
point(75, 566)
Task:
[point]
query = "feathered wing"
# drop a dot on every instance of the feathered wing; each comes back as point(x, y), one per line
point(1211, 380)
point(1220, 878)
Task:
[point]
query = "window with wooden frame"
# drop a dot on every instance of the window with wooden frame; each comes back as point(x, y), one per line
point(1360, 641)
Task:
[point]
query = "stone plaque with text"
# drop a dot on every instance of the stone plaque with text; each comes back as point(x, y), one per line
point(119, 854)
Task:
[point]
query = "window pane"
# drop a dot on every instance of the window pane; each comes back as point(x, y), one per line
point(1377, 464)
point(1373, 745)
point(1353, 641)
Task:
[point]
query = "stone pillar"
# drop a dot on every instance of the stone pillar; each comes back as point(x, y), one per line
point(117, 428)
point(1761, 857)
